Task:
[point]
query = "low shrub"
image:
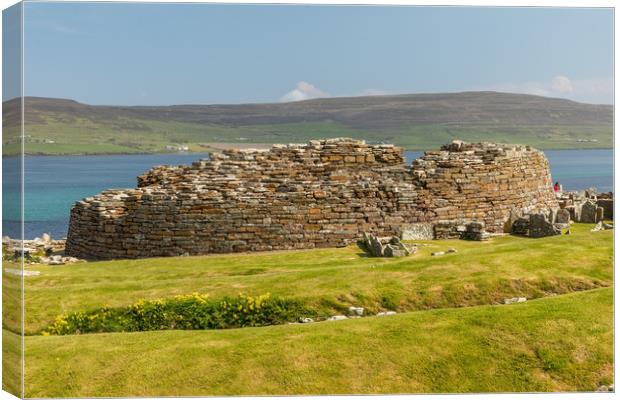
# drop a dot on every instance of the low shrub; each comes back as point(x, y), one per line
point(194, 311)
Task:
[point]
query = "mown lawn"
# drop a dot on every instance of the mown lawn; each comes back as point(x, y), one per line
point(331, 280)
point(561, 343)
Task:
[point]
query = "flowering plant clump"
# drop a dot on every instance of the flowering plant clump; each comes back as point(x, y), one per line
point(195, 311)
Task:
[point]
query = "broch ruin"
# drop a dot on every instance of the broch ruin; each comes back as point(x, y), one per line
point(326, 193)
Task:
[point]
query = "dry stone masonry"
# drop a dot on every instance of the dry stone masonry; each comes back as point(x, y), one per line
point(325, 193)
point(587, 206)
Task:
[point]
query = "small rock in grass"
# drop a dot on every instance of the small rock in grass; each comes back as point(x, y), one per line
point(438, 253)
point(337, 318)
point(356, 310)
point(307, 320)
point(597, 227)
point(385, 313)
point(515, 300)
point(451, 250)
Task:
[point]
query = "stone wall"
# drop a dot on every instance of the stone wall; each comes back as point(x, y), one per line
point(587, 206)
point(482, 182)
point(322, 194)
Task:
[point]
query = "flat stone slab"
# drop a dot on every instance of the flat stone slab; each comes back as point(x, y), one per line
point(19, 272)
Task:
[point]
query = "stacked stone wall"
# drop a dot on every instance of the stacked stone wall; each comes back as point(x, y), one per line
point(322, 194)
point(482, 182)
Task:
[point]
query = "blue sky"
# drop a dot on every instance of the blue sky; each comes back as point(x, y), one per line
point(102, 53)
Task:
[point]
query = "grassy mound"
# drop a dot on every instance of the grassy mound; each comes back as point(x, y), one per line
point(560, 343)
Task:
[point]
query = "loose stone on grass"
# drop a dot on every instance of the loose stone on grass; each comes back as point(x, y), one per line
point(387, 247)
point(19, 272)
point(356, 310)
point(515, 300)
point(386, 313)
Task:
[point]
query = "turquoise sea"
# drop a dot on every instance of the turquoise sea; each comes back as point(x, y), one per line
point(53, 184)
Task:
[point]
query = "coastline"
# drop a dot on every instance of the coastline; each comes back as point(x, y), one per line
point(226, 146)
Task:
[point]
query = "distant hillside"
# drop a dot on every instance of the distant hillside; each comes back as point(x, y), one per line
point(416, 121)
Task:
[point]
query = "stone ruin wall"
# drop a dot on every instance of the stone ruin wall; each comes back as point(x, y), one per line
point(485, 182)
point(322, 194)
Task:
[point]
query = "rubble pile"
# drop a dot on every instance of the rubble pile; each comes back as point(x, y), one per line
point(387, 247)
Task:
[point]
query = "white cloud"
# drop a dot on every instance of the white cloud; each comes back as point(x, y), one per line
point(304, 91)
point(561, 84)
point(584, 90)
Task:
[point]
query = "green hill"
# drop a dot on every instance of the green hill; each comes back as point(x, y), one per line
point(416, 121)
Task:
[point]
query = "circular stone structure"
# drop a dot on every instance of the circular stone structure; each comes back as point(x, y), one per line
point(325, 193)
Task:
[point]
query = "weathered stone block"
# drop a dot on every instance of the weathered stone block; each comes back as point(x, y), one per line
point(600, 211)
point(562, 216)
point(588, 212)
point(540, 226)
point(608, 207)
point(419, 231)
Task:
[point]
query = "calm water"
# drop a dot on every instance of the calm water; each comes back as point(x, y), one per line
point(53, 184)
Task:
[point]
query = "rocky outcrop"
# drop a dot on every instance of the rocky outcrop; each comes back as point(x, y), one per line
point(325, 193)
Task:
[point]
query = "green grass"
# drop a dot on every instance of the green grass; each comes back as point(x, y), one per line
point(330, 280)
point(451, 335)
point(562, 343)
point(11, 363)
point(122, 135)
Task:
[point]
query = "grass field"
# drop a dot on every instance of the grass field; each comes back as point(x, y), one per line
point(451, 334)
point(554, 344)
point(146, 136)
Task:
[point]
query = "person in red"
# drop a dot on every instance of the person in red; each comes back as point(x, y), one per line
point(556, 187)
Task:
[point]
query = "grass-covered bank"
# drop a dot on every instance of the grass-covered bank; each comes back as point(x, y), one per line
point(560, 343)
point(451, 333)
point(331, 280)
